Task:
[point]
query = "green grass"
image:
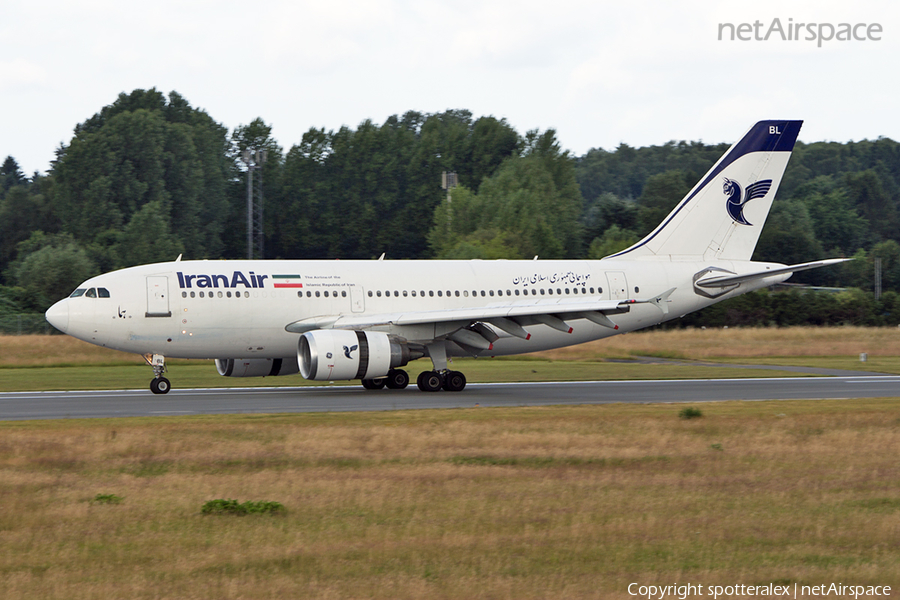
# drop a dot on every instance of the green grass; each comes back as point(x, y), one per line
point(874, 364)
point(202, 374)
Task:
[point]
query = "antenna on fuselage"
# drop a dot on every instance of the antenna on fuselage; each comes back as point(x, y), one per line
point(178, 259)
point(382, 256)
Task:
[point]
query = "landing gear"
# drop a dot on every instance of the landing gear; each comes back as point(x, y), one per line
point(429, 381)
point(159, 384)
point(432, 381)
point(397, 379)
point(374, 384)
point(454, 381)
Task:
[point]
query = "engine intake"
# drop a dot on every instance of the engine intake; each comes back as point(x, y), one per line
point(256, 367)
point(339, 354)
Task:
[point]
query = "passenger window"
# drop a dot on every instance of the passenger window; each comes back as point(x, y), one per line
point(102, 293)
point(219, 294)
point(299, 294)
point(343, 294)
point(378, 293)
point(517, 292)
point(491, 292)
point(201, 295)
point(440, 293)
point(318, 294)
point(77, 293)
point(431, 293)
point(184, 294)
point(247, 294)
point(482, 293)
point(549, 291)
point(414, 293)
point(91, 293)
point(456, 293)
point(404, 293)
point(192, 294)
point(370, 293)
point(228, 294)
point(509, 293)
point(542, 291)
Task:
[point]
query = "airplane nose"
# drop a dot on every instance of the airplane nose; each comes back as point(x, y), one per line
point(58, 315)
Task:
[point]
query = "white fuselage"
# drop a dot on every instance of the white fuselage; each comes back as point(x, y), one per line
point(239, 309)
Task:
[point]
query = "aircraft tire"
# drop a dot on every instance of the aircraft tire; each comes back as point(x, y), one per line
point(397, 379)
point(430, 381)
point(374, 384)
point(160, 385)
point(454, 381)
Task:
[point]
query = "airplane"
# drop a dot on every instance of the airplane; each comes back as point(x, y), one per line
point(335, 320)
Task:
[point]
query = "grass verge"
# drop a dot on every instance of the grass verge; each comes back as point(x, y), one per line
point(572, 502)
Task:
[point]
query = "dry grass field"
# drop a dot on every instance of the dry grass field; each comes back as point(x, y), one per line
point(564, 502)
point(692, 344)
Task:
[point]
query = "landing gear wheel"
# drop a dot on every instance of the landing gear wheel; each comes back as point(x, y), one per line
point(397, 379)
point(454, 381)
point(374, 384)
point(430, 381)
point(160, 385)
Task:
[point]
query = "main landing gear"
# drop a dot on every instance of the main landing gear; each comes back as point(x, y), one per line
point(396, 379)
point(428, 381)
point(159, 384)
point(432, 381)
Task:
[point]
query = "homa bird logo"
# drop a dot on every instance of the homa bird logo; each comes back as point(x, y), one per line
point(348, 350)
point(735, 203)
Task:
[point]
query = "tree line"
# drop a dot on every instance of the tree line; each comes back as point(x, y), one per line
point(150, 177)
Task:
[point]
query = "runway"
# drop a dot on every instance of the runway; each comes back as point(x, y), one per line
point(141, 403)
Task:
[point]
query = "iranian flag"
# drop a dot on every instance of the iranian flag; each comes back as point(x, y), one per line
point(287, 281)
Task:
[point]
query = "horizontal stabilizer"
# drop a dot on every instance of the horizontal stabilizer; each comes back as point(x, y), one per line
point(725, 280)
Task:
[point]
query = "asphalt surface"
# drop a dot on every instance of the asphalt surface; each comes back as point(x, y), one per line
point(128, 403)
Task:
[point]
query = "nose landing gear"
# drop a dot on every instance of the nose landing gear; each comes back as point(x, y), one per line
point(159, 384)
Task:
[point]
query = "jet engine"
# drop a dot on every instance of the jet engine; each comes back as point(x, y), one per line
point(327, 355)
point(256, 367)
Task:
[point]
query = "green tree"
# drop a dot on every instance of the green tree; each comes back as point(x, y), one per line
point(661, 194)
point(867, 193)
point(10, 175)
point(613, 240)
point(146, 149)
point(520, 212)
point(49, 267)
point(789, 237)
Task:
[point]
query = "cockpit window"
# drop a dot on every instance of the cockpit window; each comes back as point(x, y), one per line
point(102, 293)
point(91, 293)
point(77, 293)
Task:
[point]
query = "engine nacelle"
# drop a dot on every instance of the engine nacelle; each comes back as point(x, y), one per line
point(256, 367)
point(340, 354)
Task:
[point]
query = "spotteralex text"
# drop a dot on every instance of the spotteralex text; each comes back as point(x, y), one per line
point(793, 590)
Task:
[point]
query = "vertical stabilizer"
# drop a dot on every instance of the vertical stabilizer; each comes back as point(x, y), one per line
point(723, 215)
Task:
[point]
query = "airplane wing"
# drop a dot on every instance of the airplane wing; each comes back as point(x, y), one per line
point(509, 317)
point(725, 280)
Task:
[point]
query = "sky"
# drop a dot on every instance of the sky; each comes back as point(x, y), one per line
point(600, 73)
